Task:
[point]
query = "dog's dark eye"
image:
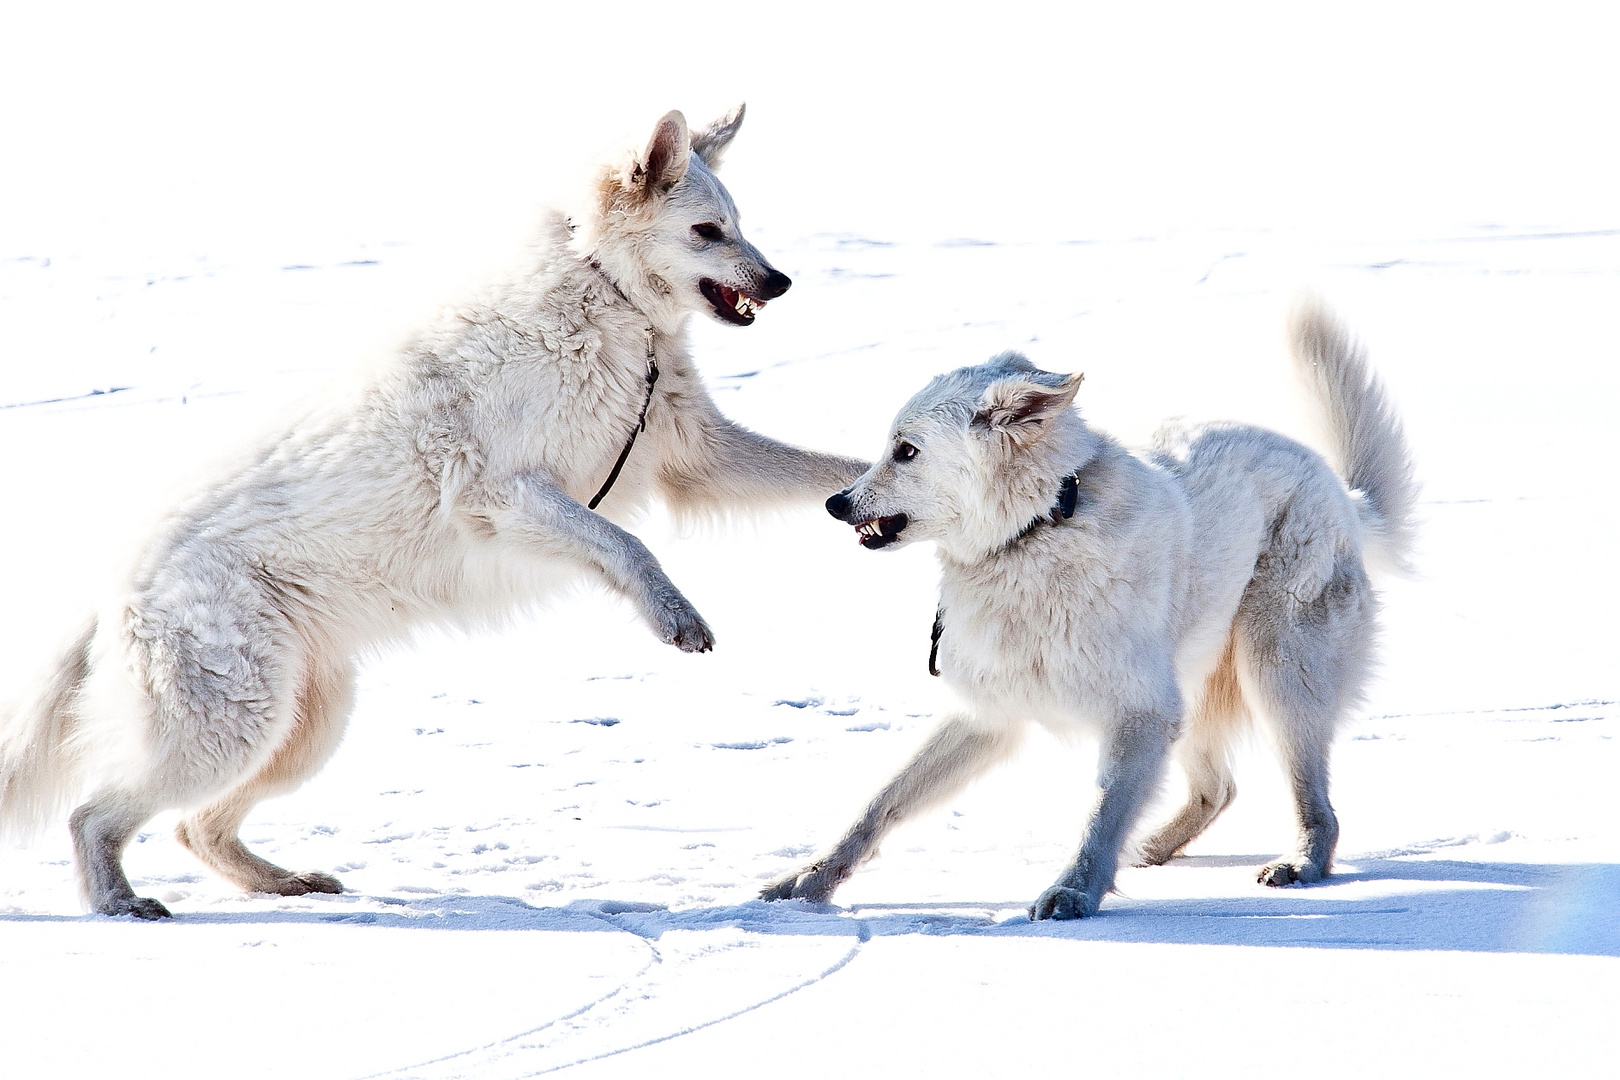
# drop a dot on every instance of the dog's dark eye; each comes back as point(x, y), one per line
point(709, 231)
point(905, 452)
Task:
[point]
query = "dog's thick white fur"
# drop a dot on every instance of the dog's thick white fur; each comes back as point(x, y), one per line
point(1218, 574)
point(449, 489)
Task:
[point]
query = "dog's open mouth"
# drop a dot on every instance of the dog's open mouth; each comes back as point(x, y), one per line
point(879, 532)
point(728, 303)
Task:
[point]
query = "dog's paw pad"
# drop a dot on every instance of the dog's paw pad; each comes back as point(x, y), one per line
point(138, 907)
point(1289, 872)
point(680, 625)
point(307, 882)
point(1151, 854)
point(1062, 902)
point(814, 884)
point(317, 882)
point(779, 890)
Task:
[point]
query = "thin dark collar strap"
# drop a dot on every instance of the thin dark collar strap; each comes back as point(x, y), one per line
point(614, 285)
point(641, 425)
point(652, 380)
point(933, 648)
point(1068, 501)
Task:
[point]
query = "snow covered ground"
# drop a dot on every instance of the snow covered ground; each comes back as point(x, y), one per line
point(551, 837)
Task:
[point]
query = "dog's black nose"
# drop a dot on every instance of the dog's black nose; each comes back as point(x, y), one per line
point(776, 283)
point(838, 506)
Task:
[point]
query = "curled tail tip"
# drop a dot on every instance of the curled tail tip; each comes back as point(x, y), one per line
point(1367, 441)
point(1319, 339)
point(1306, 312)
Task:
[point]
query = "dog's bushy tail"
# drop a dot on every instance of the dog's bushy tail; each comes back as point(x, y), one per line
point(1367, 446)
point(39, 763)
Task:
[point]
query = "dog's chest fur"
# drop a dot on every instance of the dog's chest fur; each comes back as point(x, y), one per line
point(552, 378)
point(1054, 625)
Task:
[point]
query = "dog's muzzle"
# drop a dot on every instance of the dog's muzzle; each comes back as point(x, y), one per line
point(776, 283)
point(739, 305)
point(880, 532)
point(872, 533)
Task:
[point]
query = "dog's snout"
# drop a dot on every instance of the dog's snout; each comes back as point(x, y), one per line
point(776, 283)
point(838, 505)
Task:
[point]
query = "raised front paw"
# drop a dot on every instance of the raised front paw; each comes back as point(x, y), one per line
point(1290, 871)
point(678, 623)
point(814, 883)
point(1062, 902)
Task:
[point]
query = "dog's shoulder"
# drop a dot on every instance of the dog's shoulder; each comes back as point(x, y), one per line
point(1121, 489)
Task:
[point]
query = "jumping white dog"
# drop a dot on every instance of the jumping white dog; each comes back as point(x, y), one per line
point(451, 488)
point(1147, 598)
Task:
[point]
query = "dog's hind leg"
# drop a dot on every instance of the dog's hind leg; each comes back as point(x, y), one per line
point(1204, 754)
point(102, 828)
point(1305, 754)
point(322, 710)
point(1131, 761)
point(1301, 660)
point(175, 713)
point(957, 752)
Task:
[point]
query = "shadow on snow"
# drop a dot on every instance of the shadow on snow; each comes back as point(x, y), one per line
point(1443, 905)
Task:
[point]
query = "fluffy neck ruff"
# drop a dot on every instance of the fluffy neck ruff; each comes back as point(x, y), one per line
point(613, 230)
point(1028, 484)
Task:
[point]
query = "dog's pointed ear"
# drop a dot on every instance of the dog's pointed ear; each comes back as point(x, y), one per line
point(661, 166)
point(1020, 408)
point(710, 143)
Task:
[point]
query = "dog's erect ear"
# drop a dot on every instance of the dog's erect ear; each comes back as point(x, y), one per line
point(1020, 408)
point(663, 163)
point(710, 143)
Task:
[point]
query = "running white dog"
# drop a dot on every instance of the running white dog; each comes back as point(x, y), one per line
point(452, 488)
point(1145, 598)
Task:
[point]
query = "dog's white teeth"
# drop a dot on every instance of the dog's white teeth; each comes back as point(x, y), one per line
point(745, 306)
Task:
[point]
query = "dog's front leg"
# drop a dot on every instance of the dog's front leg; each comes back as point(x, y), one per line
point(1131, 761)
point(725, 466)
point(955, 754)
point(535, 514)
